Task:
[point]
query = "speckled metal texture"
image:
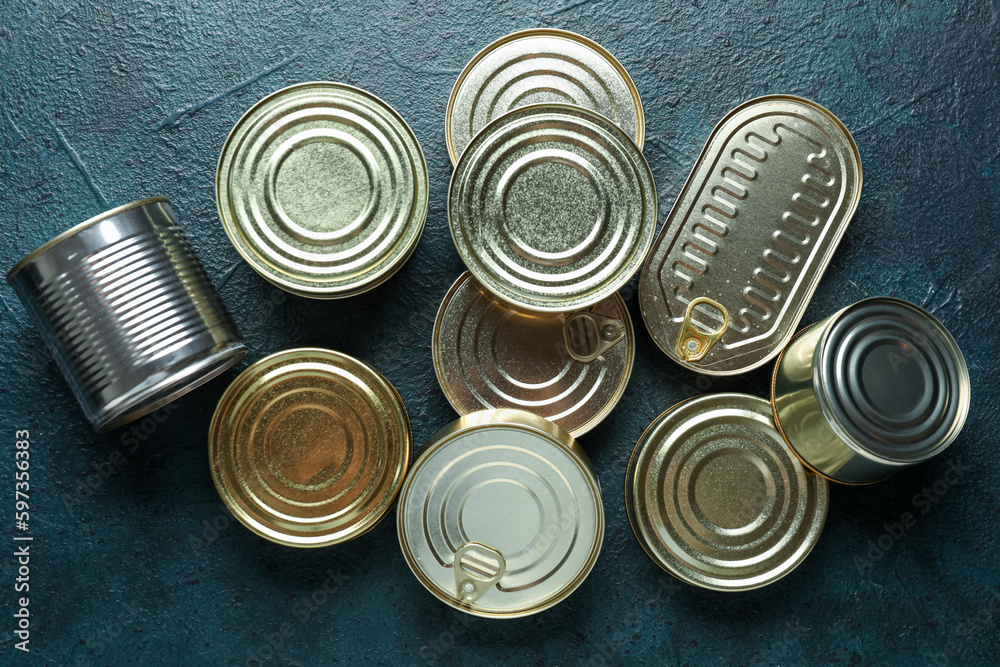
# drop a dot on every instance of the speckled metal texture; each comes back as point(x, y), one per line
point(322, 188)
point(552, 208)
point(874, 388)
point(309, 447)
point(487, 355)
point(127, 311)
point(514, 492)
point(754, 228)
point(717, 498)
point(537, 67)
point(104, 102)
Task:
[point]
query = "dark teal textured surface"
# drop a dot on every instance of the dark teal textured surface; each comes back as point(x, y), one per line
point(102, 103)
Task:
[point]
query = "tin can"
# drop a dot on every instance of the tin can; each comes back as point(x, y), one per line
point(308, 447)
point(752, 232)
point(501, 515)
point(552, 208)
point(878, 386)
point(540, 66)
point(570, 369)
point(125, 307)
point(322, 188)
point(716, 498)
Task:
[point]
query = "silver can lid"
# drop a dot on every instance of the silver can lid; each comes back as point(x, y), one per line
point(322, 188)
point(501, 515)
point(536, 67)
point(717, 498)
point(894, 380)
point(552, 208)
point(572, 369)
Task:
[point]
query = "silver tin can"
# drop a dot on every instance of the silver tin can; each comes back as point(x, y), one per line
point(876, 387)
point(127, 311)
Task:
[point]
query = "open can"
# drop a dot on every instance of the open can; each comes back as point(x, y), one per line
point(501, 515)
point(876, 387)
point(127, 311)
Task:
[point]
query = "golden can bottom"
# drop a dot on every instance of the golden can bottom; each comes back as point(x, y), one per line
point(716, 497)
point(501, 515)
point(308, 447)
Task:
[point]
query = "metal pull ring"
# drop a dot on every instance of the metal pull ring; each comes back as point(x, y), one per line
point(693, 344)
point(588, 335)
point(478, 568)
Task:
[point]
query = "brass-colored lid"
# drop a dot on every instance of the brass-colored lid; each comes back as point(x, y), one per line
point(501, 515)
point(540, 66)
point(552, 208)
point(756, 224)
point(322, 188)
point(717, 498)
point(572, 370)
point(308, 447)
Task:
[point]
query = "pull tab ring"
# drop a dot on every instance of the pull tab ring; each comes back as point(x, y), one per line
point(588, 335)
point(693, 344)
point(481, 570)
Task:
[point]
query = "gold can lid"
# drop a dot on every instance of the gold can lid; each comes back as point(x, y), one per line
point(717, 499)
point(308, 447)
point(537, 67)
point(552, 208)
point(322, 188)
point(570, 369)
point(501, 515)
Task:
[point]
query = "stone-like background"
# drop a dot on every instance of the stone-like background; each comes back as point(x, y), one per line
point(102, 103)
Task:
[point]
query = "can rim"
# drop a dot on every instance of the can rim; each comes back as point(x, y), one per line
point(251, 372)
point(632, 469)
point(853, 207)
point(539, 32)
point(963, 389)
point(419, 216)
point(520, 420)
point(642, 167)
point(449, 395)
point(76, 229)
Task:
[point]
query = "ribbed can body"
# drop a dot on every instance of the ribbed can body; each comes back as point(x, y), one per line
point(127, 311)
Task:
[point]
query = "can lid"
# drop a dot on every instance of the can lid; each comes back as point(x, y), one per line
point(540, 66)
point(572, 370)
point(322, 188)
point(894, 379)
point(552, 208)
point(308, 447)
point(717, 499)
point(501, 515)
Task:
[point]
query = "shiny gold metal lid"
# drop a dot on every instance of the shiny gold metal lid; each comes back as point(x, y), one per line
point(501, 515)
point(322, 188)
point(552, 208)
point(309, 447)
point(569, 369)
point(537, 67)
point(717, 499)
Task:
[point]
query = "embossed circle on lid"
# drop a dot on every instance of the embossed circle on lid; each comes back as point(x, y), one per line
point(309, 447)
point(717, 499)
point(540, 66)
point(501, 515)
point(894, 379)
point(487, 355)
point(322, 188)
point(552, 208)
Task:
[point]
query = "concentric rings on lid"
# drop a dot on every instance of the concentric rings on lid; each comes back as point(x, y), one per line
point(540, 66)
point(501, 515)
point(894, 379)
point(322, 188)
point(717, 499)
point(552, 208)
point(309, 447)
point(570, 370)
